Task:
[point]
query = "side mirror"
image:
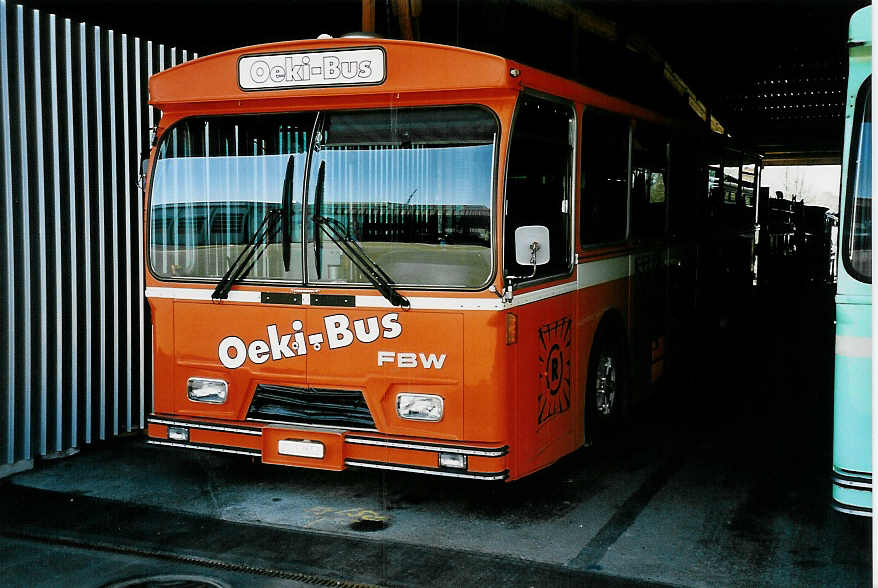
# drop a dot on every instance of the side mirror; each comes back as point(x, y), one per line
point(532, 245)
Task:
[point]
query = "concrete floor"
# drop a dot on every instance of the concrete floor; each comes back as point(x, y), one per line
point(721, 480)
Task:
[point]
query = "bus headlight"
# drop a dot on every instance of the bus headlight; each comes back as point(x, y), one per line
point(207, 390)
point(420, 407)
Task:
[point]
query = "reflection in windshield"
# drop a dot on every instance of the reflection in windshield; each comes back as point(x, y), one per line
point(413, 186)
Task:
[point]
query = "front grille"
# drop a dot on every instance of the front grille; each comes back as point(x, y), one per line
point(311, 406)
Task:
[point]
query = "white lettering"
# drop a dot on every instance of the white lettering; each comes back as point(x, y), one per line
point(312, 68)
point(392, 329)
point(299, 345)
point(279, 347)
point(348, 69)
point(258, 352)
point(363, 335)
point(259, 72)
point(277, 74)
point(429, 361)
point(406, 360)
point(330, 67)
point(337, 331)
point(227, 345)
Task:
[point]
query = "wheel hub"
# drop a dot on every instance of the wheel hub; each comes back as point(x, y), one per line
point(605, 390)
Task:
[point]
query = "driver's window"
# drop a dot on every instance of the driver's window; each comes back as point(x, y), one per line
point(539, 180)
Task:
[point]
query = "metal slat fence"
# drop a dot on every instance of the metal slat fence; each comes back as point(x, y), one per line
point(75, 364)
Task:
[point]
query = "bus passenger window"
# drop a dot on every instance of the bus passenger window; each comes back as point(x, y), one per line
point(538, 181)
point(649, 165)
point(604, 199)
point(858, 208)
point(731, 180)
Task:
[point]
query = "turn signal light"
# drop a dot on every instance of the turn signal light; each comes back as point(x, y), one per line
point(511, 328)
point(452, 460)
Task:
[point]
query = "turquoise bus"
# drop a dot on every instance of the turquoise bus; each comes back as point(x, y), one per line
point(852, 437)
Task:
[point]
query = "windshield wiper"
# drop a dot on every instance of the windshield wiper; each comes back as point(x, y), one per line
point(286, 210)
point(339, 235)
point(318, 207)
point(251, 252)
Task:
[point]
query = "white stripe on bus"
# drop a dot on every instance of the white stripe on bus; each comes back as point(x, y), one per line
point(848, 346)
point(592, 273)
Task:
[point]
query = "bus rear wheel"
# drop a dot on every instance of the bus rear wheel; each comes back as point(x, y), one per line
point(606, 387)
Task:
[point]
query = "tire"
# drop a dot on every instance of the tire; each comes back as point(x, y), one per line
point(606, 391)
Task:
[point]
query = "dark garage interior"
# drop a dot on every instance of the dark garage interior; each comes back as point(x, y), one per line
point(723, 477)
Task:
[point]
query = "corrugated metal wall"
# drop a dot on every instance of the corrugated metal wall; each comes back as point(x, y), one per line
point(74, 124)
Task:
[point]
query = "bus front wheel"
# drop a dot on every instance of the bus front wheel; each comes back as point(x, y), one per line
point(606, 387)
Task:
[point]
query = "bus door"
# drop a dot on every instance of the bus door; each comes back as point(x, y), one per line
point(539, 185)
point(649, 278)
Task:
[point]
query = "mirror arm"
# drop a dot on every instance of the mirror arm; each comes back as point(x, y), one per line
point(510, 280)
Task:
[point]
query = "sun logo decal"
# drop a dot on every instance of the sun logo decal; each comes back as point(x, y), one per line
point(554, 357)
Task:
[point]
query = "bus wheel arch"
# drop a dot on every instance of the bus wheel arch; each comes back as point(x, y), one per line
point(607, 381)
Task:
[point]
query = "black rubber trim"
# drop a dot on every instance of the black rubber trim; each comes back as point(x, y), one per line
point(280, 298)
point(333, 300)
point(849, 486)
point(838, 470)
point(851, 478)
point(429, 446)
point(152, 419)
point(850, 508)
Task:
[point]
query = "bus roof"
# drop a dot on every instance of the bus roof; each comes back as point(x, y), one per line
point(276, 71)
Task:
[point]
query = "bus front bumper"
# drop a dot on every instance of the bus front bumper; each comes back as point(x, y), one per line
point(331, 449)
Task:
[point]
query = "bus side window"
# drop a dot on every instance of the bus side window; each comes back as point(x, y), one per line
point(539, 181)
point(649, 174)
point(857, 241)
point(604, 199)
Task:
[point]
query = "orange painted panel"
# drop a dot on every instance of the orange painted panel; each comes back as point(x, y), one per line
point(547, 364)
point(224, 438)
point(487, 464)
point(157, 431)
point(386, 352)
point(243, 344)
point(365, 452)
point(426, 459)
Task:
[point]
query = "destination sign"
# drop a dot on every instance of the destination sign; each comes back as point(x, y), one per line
point(308, 69)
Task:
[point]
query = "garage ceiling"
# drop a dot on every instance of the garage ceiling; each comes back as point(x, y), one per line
point(772, 73)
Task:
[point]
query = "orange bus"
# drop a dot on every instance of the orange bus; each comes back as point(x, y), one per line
point(397, 255)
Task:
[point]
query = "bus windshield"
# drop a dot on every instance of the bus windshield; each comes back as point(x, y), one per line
point(412, 185)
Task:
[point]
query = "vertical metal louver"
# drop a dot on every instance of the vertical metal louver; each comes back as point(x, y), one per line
point(74, 126)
